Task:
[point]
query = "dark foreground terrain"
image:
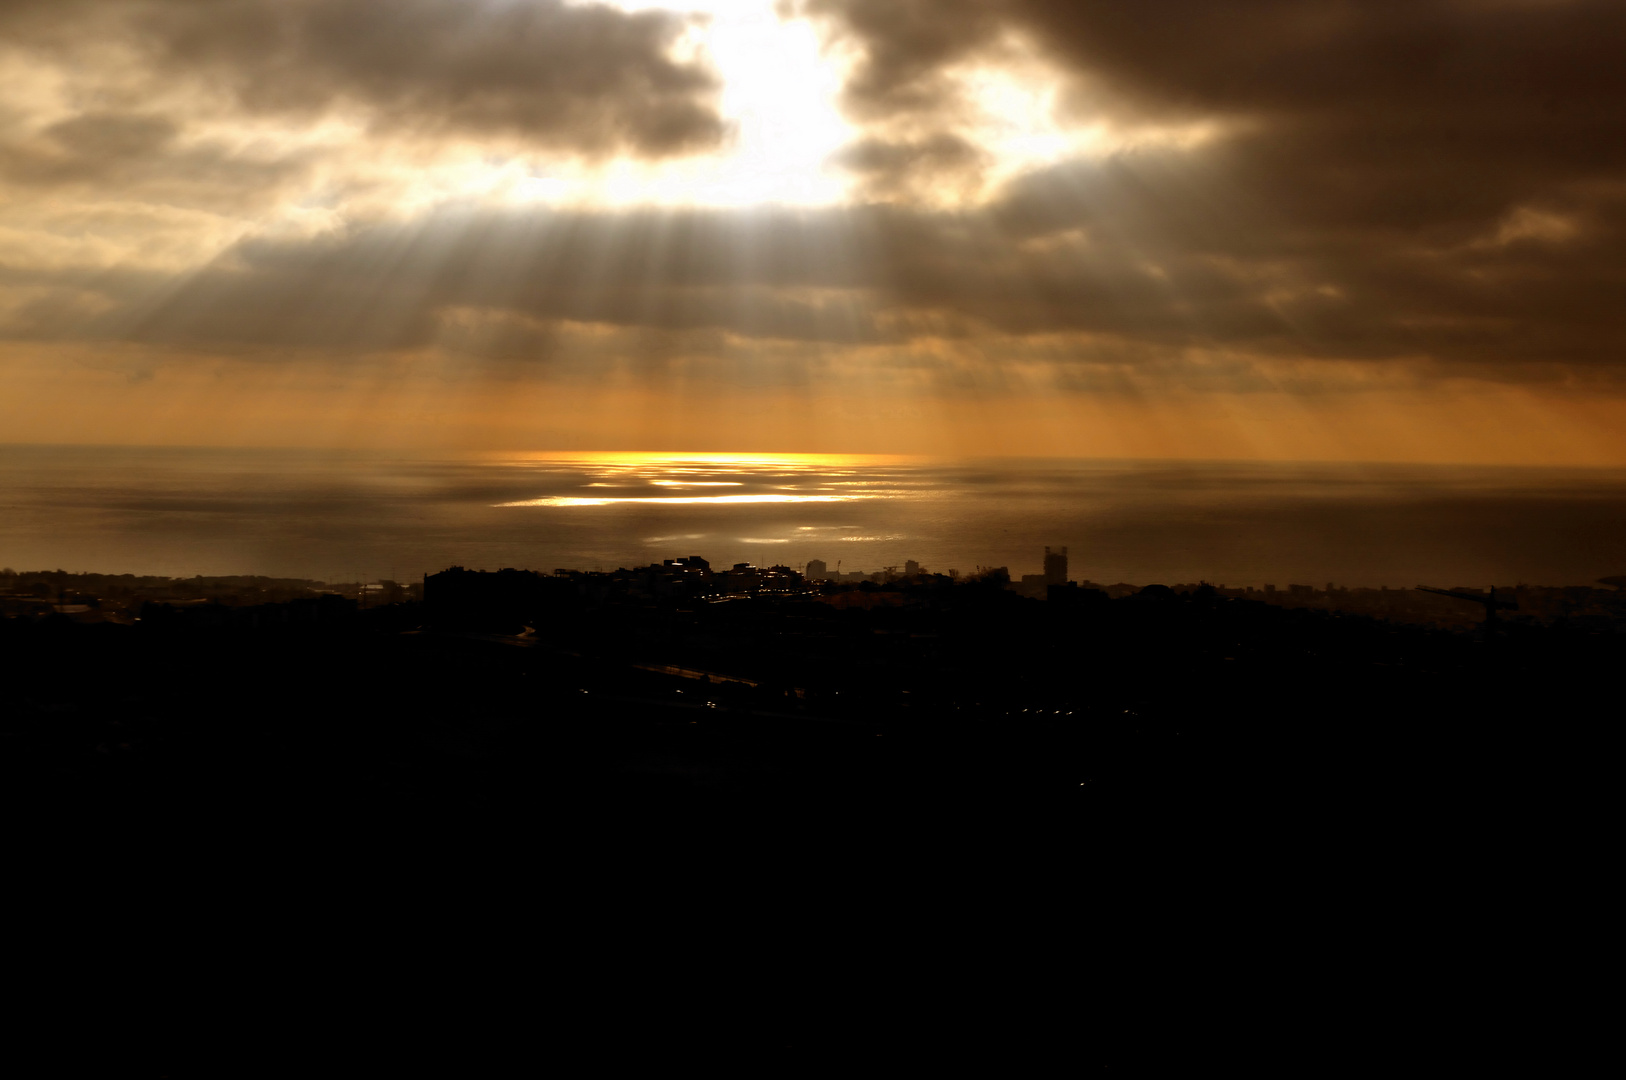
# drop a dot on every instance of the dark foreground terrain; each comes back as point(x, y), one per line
point(955, 826)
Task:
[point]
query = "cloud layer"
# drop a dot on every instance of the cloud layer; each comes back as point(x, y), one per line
point(586, 78)
point(1253, 194)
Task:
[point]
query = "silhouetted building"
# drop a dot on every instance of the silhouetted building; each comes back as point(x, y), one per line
point(744, 577)
point(817, 570)
point(779, 579)
point(1055, 566)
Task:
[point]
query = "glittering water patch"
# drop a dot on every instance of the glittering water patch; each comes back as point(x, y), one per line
point(686, 500)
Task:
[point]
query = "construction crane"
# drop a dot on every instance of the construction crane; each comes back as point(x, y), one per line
point(1492, 605)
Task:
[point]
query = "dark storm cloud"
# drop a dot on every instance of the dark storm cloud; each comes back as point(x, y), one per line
point(1422, 115)
point(88, 147)
point(1131, 254)
point(140, 156)
point(889, 168)
point(1195, 58)
point(906, 48)
point(768, 274)
point(583, 78)
point(1440, 178)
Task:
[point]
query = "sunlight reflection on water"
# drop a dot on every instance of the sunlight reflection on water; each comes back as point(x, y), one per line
point(659, 471)
point(685, 500)
point(336, 516)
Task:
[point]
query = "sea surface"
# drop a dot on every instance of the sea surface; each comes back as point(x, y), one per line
point(364, 516)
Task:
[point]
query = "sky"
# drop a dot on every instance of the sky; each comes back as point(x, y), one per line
point(1280, 230)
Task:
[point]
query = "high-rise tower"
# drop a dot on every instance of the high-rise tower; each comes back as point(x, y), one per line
point(1055, 566)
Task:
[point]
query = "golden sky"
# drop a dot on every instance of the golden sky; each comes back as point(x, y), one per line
point(1286, 229)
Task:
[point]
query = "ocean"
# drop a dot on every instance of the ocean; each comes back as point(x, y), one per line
point(347, 516)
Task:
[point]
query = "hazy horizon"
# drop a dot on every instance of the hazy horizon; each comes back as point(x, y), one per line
point(344, 515)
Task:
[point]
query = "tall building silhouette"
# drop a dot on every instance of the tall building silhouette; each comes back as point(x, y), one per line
point(1055, 566)
point(816, 570)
